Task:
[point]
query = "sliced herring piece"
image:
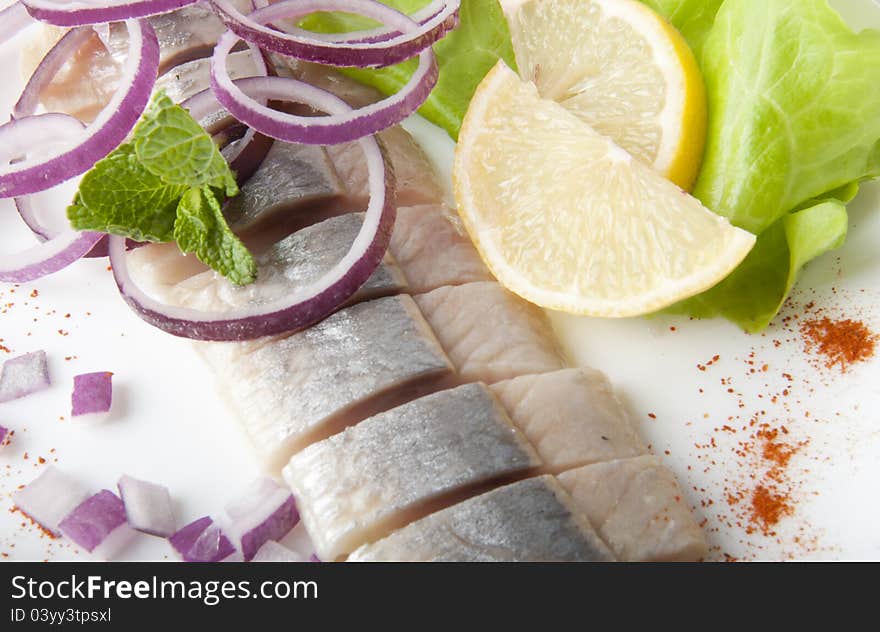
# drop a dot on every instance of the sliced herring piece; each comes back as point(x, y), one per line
point(638, 508)
point(489, 333)
point(385, 472)
point(572, 417)
point(528, 521)
point(295, 261)
point(432, 248)
point(363, 360)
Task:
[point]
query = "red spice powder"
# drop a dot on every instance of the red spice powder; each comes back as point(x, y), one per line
point(841, 342)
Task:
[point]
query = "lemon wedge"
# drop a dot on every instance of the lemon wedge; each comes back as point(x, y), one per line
point(569, 220)
point(623, 69)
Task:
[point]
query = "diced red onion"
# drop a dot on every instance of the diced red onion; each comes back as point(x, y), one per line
point(24, 375)
point(147, 506)
point(13, 19)
point(107, 131)
point(202, 541)
point(98, 525)
point(315, 559)
point(237, 97)
point(266, 511)
point(48, 499)
point(394, 43)
point(308, 304)
point(92, 394)
point(85, 12)
point(273, 552)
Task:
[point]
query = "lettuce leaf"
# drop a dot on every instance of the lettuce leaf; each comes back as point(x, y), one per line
point(464, 56)
point(794, 106)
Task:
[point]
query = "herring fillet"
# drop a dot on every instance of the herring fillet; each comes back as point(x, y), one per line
point(291, 176)
point(294, 391)
point(572, 417)
point(430, 245)
point(416, 178)
point(357, 486)
point(293, 262)
point(491, 334)
point(637, 507)
point(188, 79)
point(87, 83)
point(529, 521)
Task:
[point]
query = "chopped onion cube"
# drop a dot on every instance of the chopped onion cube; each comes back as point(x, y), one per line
point(50, 498)
point(92, 394)
point(98, 521)
point(202, 541)
point(266, 511)
point(273, 552)
point(147, 506)
point(26, 374)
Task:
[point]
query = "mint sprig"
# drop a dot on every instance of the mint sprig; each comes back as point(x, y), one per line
point(167, 183)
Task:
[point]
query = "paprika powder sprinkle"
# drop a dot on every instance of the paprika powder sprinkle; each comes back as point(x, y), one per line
point(841, 342)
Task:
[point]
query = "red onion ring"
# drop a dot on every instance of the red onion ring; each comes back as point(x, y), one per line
point(379, 48)
point(310, 303)
point(48, 257)
point(13, 19)
point(87, 12)
point(324, 130)
point(107, 131)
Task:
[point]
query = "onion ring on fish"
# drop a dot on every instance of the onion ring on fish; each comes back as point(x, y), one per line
point(86, 12)
point(102, 136)
point(394, 43)
point(309, 303)
point(321, 130)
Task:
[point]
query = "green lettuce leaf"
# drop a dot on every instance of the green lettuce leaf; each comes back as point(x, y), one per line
point(755, 292)
point(794, 106)
point(464, 56)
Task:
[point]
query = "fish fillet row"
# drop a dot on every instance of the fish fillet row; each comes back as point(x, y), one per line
point(460, 388)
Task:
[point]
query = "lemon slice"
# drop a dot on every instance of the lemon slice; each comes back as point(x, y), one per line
point(621, 68)
point(570, 221)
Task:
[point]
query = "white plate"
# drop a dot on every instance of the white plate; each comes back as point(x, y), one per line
point(168, 426)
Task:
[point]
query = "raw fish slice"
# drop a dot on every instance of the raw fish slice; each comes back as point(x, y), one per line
point(88, 81)
point(158, 267)
point(291, 177)
point(572, 417)
point(528, 521)
point(637, 507)
point(391, 469)
point(417, 181)
point(184, 35)
point(297, 390)
point(433, 249)
point(293, 262)
point(489, 333)
point(187, 80)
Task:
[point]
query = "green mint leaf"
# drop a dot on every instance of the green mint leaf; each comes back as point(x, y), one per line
point(464, 56)
point(201, 229)
point(173, 146)
point(119, 196)
point(168, 183)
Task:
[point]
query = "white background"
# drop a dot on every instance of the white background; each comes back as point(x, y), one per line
point(167, 425)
